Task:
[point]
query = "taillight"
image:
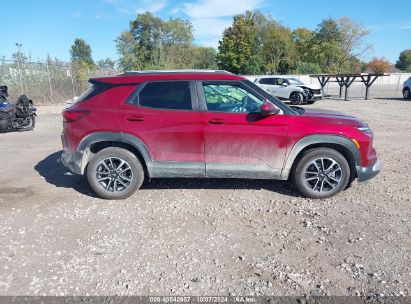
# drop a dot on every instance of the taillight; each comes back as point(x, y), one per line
point(74, 115)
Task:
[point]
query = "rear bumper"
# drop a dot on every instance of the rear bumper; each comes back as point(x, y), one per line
point(366, 173)
point(72, 161)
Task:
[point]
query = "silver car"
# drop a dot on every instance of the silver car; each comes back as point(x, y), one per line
point(286, 87)
point(406, 90)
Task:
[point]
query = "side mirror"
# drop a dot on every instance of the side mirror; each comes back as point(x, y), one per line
point(268, 109)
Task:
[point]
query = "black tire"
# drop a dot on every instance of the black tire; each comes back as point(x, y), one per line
point(30, 126)
point(406, 93)
point(321, 185)
point(296, 98)
point(132, 178)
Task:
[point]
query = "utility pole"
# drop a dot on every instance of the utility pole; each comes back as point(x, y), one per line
point(18, 65)
point(48, 75)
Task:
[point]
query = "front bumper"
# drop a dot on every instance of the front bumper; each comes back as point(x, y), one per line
point(366, 173)
point(310, 97)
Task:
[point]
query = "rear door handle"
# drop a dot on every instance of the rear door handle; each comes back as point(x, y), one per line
point(216, 121)
point(135, 118)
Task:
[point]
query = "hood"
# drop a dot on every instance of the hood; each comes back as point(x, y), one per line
point(309, 86)
point(334, 116)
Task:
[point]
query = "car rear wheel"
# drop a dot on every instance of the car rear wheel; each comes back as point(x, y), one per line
point(321, 173)
point(406, 93)
point(115, 173)
point(296, 98)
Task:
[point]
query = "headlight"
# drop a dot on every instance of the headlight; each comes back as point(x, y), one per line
point(364, 129)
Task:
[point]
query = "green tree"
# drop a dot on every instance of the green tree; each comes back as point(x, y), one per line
point(306, 60)
point(326, 45)
point(339, 44)
point(176, 49)
point(204, 58)
point(106, 63)
point(404, 61)
point(255, 44)
point(302, 67)
point(146, 30)
point(304, 39)
point(239, 49)
point(81, 52)
point(153, 43)
point(130, 56)
point(82, 63)
point(278, 49)
point(328, 30)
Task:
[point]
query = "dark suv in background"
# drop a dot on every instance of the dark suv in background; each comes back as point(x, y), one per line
point(208, 124)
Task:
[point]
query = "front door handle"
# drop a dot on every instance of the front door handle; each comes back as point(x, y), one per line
point(216, 121)
point(135, 118)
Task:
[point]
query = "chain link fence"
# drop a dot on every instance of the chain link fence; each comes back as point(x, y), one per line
point(54, 81)
point(46, 82)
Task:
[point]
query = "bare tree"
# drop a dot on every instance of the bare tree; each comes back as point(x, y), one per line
point(351, 40)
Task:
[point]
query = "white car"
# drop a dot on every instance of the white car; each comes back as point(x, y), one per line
point(290, 88)
point(406, 90)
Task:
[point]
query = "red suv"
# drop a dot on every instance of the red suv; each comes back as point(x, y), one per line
point(208, 124)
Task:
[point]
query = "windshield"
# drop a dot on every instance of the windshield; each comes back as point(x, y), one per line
point(295, 81)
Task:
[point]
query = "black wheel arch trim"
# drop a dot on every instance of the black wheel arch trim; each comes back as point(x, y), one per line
point(318, 139)
point(83, 154)
point(83, 149)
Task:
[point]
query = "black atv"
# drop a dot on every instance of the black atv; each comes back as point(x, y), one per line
point(16, 117)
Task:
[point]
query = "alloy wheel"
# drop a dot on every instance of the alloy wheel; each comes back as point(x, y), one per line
point(323, 175)
point(114, 174)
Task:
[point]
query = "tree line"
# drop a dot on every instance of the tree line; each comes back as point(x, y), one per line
point(254, 44)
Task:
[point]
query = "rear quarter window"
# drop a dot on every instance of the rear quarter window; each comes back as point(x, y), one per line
point(94, 89)
point(173, 95)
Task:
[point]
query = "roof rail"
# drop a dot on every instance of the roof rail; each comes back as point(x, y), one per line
point(186, 71)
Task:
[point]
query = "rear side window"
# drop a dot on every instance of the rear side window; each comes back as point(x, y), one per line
point(174, 95)
point(267, 81)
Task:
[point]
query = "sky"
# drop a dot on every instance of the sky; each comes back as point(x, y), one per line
point(50, 26)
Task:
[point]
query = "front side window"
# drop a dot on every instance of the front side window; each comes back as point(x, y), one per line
point(230, 98)
point(174, 95)
point(295, 81)
point(280, 81)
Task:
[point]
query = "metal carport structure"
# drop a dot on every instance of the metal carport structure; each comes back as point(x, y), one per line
point(346, 80)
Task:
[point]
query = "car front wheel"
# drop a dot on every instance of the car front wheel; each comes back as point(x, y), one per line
point(296, 98)
point(115, 173)
point(406, 93)
point(321, 173)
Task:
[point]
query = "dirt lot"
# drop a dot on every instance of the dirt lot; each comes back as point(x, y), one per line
point(204, 237)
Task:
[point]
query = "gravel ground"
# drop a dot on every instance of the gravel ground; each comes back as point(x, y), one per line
point(204, 237)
